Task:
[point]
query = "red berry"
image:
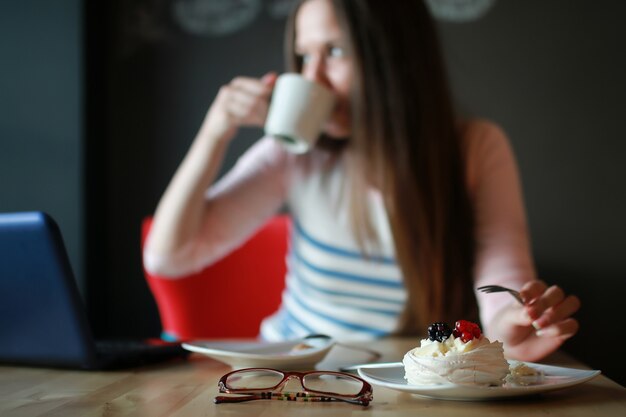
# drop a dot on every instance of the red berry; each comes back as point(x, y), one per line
point(466, 330)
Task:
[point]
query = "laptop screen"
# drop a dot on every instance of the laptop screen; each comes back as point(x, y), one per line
point(42, 319)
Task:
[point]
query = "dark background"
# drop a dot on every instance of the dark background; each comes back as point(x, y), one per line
point(99, 101)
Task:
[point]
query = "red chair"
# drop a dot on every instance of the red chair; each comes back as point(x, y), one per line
point(229, 298)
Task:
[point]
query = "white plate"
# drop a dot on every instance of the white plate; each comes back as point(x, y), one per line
point(281, 355)
point(392, 376)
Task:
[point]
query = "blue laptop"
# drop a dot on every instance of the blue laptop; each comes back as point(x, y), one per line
point(42, 318)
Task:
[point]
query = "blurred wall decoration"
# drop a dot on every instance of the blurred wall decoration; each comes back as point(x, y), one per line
point(459, 10)
point(223, 17)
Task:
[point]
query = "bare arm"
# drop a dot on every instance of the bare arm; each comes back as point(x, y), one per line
point(504, 258)
point(183, 207)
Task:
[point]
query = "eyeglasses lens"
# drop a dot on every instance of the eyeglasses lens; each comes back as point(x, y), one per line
point(254, 379)
point(335, 383)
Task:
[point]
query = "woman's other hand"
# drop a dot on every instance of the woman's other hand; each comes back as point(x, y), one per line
point(539, 327)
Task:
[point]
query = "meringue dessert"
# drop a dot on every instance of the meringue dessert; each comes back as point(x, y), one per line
point(462, 356)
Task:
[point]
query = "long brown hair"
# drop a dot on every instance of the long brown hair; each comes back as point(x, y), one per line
point(405, 135)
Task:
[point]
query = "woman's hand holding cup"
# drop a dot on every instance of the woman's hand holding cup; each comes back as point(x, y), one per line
point(297, 114)
point(242, 102)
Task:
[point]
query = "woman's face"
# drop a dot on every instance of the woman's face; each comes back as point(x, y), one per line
point(325, 59)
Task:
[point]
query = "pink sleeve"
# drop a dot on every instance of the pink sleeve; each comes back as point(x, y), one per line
point(503, 249)
point(241, 202)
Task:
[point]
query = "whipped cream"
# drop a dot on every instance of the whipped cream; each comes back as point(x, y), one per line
point(477, 362)
point(522, 374)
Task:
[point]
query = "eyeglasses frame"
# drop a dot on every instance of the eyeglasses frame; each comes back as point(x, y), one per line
point(363, 397)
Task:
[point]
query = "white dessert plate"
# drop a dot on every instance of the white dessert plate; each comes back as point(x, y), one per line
point(291, 354)
point(391, 375)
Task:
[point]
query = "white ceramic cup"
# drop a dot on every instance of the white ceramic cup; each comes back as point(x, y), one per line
point(298, 111)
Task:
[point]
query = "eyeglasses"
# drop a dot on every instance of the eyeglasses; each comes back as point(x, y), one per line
point(267, 384)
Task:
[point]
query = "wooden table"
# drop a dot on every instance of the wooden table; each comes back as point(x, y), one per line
point(187, 388)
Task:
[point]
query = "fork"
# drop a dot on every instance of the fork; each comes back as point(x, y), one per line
point(497, 288)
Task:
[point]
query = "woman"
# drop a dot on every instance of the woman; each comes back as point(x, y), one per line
point(400, 210)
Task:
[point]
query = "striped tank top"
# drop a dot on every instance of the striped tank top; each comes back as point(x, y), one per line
point(331, 287)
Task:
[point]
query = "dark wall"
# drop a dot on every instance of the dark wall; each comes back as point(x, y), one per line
point(153, 90)
point(41, 114)
point(552, 74)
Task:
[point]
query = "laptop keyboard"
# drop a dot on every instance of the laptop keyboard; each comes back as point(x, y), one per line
point(122, 353)
point(121, 346)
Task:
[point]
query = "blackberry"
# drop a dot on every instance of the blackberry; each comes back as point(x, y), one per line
point(439, 331)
